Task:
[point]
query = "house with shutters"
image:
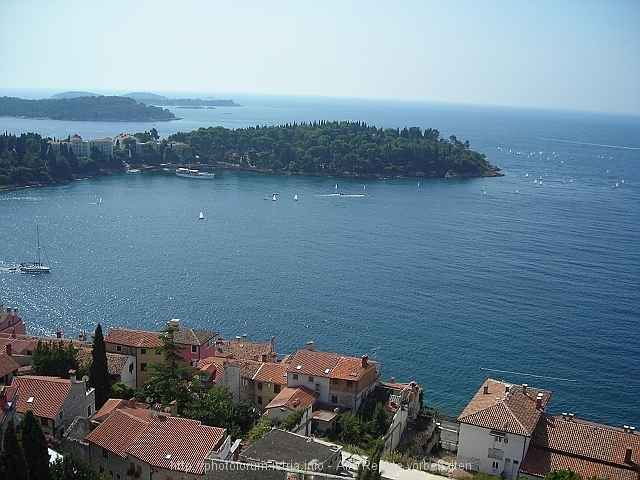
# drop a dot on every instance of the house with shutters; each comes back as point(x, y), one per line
point(341, 381)
point(496, 427)
point(141, 345)
point(262, 381)
point(288, 401)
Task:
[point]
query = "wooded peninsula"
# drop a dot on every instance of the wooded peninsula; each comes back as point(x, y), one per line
point(337, 149)
point(88, 109)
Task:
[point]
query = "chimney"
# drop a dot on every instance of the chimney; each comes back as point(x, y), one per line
point(273, 344)
point(174, 408)
point(564, 415)
point(72, 376)
point(539, 402)
point(264, 357)
point(627, 455)
point(365, 360)
point(486, 390)
point(8, 310)
point(310, 346)
point(506, 388)
point(393, 379)
point(175, 323)
point(3, 397)
point(524, 388)
point(571, 417)
point(58, 333)
point(244, 337)
point(9, 352)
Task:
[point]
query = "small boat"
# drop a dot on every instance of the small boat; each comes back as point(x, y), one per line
point(201, 216)
point(35, 267)
point(516, 191)
point(192, 173)
point(336, 187)
point(274, 197)
point(418, 184)
point(132, 171)
point(295, 198)
point(527, 174)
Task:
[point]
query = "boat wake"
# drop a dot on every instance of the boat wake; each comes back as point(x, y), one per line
point(343, 195)
point(591, 144)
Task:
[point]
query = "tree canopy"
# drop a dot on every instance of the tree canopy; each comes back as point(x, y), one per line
point(98, 372)
point(335, 148)
point(54, 359)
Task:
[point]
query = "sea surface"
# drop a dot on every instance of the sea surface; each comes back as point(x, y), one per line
point(444, 282)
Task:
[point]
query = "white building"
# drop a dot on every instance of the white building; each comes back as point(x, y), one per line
point(82, 148)
point(497, 425)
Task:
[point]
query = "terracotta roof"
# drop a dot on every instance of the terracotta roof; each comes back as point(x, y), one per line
point(398, 386)
point(212, 365)
point(292, 398)
point(313, 362)
point(7, 365)
point(115, 361)
point(133, 338)
point(272, 372)
point(48, 394)
point(113, 404)
point(118, 432)
point(590, 449)
point(248, 368)
point(241, 349)
point(189, 336)
point(513, 412)
point(350, 368)
point(169, 441)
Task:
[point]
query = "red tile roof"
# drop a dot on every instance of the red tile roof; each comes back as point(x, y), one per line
point(292, 398)
point(133, 338)
point(48, 394)
point(513, 412)
point(118, 432)
point(170, 441)
point(313, 362)
point(115, 361)
point(272, 372)
point(189, 336)
point(588, 448)
point(113, 404)
point(7, 365)
point(350, 368)
point(242, 349)
point(248, 368)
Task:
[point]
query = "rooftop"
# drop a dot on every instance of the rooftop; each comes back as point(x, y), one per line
point(133, 338)
point(42, 395)
point(505, 407)
point(292, 398)
point(7, 365)
point(118, 432)
point(189, 336)
point(272, 372)
point(242, 349)
point(280, 447)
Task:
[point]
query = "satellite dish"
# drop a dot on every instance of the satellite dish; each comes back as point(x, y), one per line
point(85, 378)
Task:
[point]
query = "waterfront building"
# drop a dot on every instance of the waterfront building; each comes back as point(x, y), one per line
point(496, 427)
point(140, 344)
point(82, 148)
point(288, 401)
point(10, 321)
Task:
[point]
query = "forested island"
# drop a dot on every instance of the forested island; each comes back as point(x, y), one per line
point(155, 99)
point(338, 149)
point(98, 108)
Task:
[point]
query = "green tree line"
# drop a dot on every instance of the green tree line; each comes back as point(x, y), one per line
point(335, 148)
point(99, 108)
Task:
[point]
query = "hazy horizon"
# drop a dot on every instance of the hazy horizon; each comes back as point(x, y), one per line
point(574, 55)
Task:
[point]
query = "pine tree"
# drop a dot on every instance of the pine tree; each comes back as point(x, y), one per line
point(99, 373)
point(14, 465)
point(35, 448)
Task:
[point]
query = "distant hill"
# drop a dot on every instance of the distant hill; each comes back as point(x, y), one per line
point(73, 94)
point(101, 108)
point(145, 97)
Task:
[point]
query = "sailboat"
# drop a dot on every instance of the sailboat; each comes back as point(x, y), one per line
point(274, 197)
point(201, 216)
point(295, 197)
point(35, 267)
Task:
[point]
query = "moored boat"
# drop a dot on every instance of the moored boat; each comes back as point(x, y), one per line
point(193, 173)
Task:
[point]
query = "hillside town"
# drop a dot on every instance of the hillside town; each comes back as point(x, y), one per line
point(303, 400)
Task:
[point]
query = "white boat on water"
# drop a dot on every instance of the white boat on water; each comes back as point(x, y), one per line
point(201, 216)
point(274, 197)
point(132, 171)
point(193, 173)
point(35, 267)
point(295, 197)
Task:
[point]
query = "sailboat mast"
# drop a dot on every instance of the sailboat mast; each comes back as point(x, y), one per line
point(38, 235)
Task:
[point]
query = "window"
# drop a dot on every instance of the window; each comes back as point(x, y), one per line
point(118, 348)
point(335, 381)
point(101, 469)
point(310, 379)
point(245, 382)
point(334, 399)
point(60, 415)
point(143, 367)
point(111, 473)
point(259, 400)
point(131, 367)
point(295, 376)
point(194, 349)
point(494, 465)
point(105, 453)
point(276, 389)
point(143, 351)
point(89, 411)
point(259, 385)
point(349, 383)
point(498, 439)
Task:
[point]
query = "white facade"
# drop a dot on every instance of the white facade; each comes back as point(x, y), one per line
point(105, 145)
point(317, 384)
point(128, 373)
point(496, 453)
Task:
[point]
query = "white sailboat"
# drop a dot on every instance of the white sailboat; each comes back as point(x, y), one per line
point(274, 197)
point(201, 216)
point(295, 197)
point(35, 267)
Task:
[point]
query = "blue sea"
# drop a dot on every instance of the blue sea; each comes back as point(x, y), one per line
point(444, 282)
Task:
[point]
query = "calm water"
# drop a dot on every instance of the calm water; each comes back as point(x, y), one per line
point(441, 281)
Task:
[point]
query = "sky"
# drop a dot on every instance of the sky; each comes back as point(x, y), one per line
point(569, 55)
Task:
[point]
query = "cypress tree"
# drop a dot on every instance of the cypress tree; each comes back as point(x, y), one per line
point(99, 373)
point(35, 448)
point(14, 465)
